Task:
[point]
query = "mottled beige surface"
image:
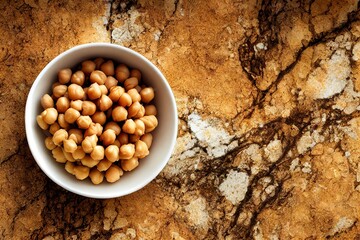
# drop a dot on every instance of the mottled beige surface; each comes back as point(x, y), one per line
point(268, 100)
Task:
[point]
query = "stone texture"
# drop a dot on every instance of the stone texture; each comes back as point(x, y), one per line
point(268, 100)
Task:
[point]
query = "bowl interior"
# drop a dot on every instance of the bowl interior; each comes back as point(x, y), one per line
point(164, 135)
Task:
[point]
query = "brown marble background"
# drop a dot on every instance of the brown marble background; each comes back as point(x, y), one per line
point(268, 100)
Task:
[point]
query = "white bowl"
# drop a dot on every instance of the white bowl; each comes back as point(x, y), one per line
point(164, 135)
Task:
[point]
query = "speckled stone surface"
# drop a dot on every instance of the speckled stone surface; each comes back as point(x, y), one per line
point(268, 95)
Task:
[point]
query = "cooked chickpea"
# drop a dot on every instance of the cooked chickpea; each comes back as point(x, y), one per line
point(77, 133)
point(104, 90)
point(117, 143)
point(88, 66)
point(59, 91)
point(134, 138)
point(79, 153)
point(141, 149)
point(47, 101)
point(129, 164)
point(96, 176)
point(126, 151)
point(113, 174)
point(140, 113)
point(49, 143)
point(147, 94)
point(62, 122)
point(135, 73)
point(138, 88)
point(94, 128)
point(150, 122)
point(77, 105)
point(98, 77)
point(130, 83)
point(112, 153)
point(69, 145)
point(94, 91)
point(134, 109)
point(81, 172)
point(150, 110)
point(105, 103)
point(76, 92)
point(98, 61)
point(64, 75)
point(62, 104)
point(114, 126)
point(99, 117)
point(42, 124)
point(108, 137)
point(89, 143)
point(69, 156)
point(123, 138)
point(89, 162)
point(108, 68)
point(78, 78)
point(98, 153)
point(49, 115)
point(135, 96)
point(88, 108)
point(119, 114)
point(125, 100)
point(69, 167)
point(140, 127)
point(84, 122)
point(115, 93)
point(71, 115)
point(58, 154)
point(111, 82)
point(129, 126)
point(53, 128)
point(103, 165)
point(122, 72)
point(147, 138)
point(59, 136)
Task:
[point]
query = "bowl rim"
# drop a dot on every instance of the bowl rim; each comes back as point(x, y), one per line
point(28, 126)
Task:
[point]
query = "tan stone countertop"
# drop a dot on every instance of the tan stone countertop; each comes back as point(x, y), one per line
point(268, 95)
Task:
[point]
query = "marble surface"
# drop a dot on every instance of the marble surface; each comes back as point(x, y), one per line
point(268, 95)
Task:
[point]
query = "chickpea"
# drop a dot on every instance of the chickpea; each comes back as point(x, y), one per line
point(105, 103)
point(59, 136)
point(99, 117)
point(96, 176)
point(104, 90)
point(135, 96)
point(49, 143)
point(134, 138)
point(69, 167)
point(135, 73)
point(62, 122)
point(140, 113)
point(84, 122)
point(150, 122)
point(125, 100)
point(134, 109)
point(77, 133)
point(69, 145)
point(62, 104)
point(47, 101)
point(79, 153)
point(88, 108)
point(129, 164)
point(111, 82)
point(129, 126)
point(113, 174)
point(69, 156)
point(89, 143)
point(122, 72)
point(112, 153)
point(78, 78)
point(88, 66)
point(147, 94)
point(81, 172)
point(64, 75)
point(138, 88)
point(147, 138)
point(115, 93)
point(53, 128)
point(77, 105)
point(140, 127)
point(98, 61)
point(58, 154)
point(98, 153)
point(119, 114)
point(94, 128)
point(117, 143)
point(103, 165)
point(108, 68)
point(94, 91)
point(114, 126)
point(131, 83)
point(49, 115)
point(108, 137)
point(109, 112)
point(98, 77)
point(76, 92)
point(55, 84)
point(59, 91)
point(141, 149)
point(42, 124)
point(150, 110)
point(71, 115)
point(89, 162)
point(126, 151)
point(123, 138)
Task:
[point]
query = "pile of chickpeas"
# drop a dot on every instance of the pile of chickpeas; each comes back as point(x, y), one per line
point(99, 119)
